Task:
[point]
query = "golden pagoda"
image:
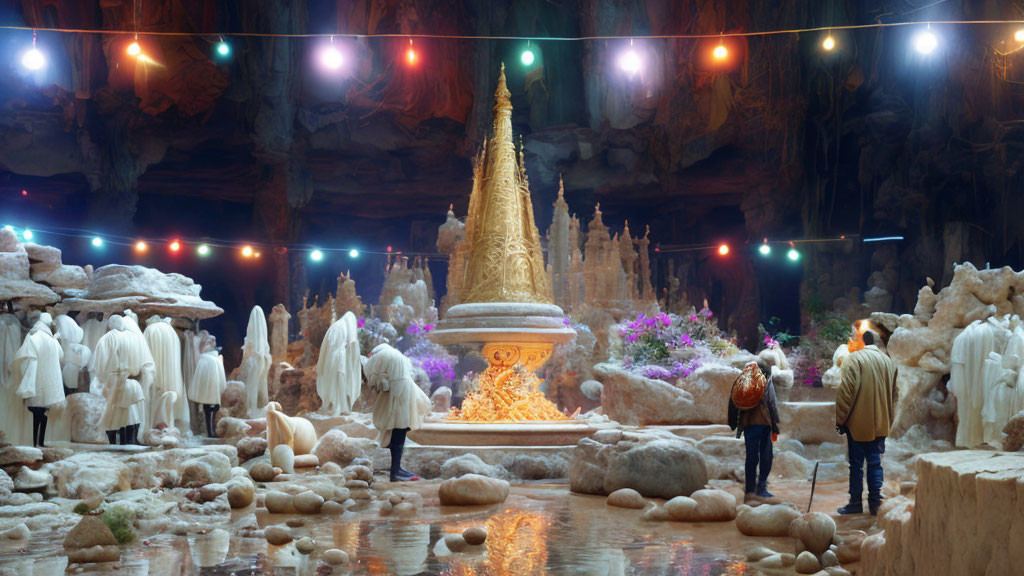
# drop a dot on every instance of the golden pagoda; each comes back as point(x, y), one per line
point(501, 291)
point(504, 262)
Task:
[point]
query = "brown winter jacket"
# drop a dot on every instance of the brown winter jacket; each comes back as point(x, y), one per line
point(866, 400)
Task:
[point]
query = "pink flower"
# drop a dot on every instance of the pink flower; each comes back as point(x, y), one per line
point(632, 337)
point(693, 318)
point(361, 322)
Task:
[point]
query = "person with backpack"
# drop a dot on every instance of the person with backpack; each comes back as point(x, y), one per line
point(865, 409)
point(754, 414)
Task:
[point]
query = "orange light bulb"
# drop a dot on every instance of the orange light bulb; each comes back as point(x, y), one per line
point(141, 246)
point(411, 57)
point(720, 52)
point(134, 49)
point(723, 250)
point(175, 246)
point(247, 251)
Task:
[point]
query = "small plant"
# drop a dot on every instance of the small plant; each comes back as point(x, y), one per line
point(121, 523)
point(81, 509)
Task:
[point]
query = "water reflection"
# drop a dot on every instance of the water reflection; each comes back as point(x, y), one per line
point(547, 533)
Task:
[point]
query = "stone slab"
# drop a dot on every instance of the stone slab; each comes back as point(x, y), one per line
point(506, 434)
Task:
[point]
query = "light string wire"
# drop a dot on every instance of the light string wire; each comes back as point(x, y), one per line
point(873, 25)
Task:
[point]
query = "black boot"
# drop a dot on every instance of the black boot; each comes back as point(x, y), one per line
point(38, 424)
point(123, 431)
point(42, 429)
point(35, 428)
point(112, 436)
point(210, 411)
point(397, 447)
point(134, 433)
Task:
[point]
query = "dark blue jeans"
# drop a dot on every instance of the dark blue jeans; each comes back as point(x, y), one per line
point(758, 440)
point(871, 452)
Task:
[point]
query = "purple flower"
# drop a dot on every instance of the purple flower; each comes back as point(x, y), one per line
point(632, 337)
point(693, 318)
point(665, 320)
point(361, 322)
point(705, 313)
point(657, 373)
point(566, 321)
point(685, 341)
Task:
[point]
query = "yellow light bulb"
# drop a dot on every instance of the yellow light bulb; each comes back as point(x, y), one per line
point(134, 49)
point(720, 52)
point(829, 43)
point(1019, 35)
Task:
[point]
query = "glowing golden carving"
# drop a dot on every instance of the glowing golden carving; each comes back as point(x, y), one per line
point(509, 391)
point(500, 259)
point(516, 546)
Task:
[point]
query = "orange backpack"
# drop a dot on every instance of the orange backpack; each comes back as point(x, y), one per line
point(749, 387)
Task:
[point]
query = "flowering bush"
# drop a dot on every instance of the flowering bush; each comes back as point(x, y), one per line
point(648, 338)
point(419, 327)
point(432, 358)
point(669, 347)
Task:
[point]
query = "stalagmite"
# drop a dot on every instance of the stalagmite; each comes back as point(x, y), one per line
point(279, 318)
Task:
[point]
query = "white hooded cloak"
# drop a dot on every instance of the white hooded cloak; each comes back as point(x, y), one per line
point(338, 369)
point(13, 416)
point(209, 381)
point(400, 402)
point(256, 361)
point(165, 346)
point(122, 350)
point(37, 364)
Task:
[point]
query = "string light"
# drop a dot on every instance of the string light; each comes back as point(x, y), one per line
point(925, 42)
point(330, 56)
point(141, 247)
point(316, 255)
point(247, 251)
point(134, 49)
point(765, 249)
point(829, 43)
point(97, 242)
point(527, 57)
point(27, 234)
point(223, 48)
point(723, 250)
point(793, 254)
point(1019, 35)
point(175, 246)
point(203, 250)
point(410, 55)
point(33, 59)
point(353, 253)
point(720, 52)
point(629, 61)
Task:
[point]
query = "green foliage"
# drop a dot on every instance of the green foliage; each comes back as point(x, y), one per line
point(121, 522)
point(649, 349)
point(722, 347)
point(81, 509)
point(833, 328)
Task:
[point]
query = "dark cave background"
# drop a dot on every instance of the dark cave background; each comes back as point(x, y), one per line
point(786, 141)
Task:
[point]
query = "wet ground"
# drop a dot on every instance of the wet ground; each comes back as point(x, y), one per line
point(542, 529)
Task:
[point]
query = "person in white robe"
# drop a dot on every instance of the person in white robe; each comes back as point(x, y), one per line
point(1004, 397)
point(13, 417)
point(76, 354)
point(40, 383)
point(338, 369)
point(121, 350)
point(165, 346)
point(93, 328)
point(400, 406)
point(970, 351)
point(208, 383)
point(256, 361)
point(125, 406)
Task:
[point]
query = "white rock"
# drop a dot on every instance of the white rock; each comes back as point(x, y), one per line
point(829, 559)
point(473, 490)
point(279, 502)
point(711, 387)
point(305, 545)
point(809, 422)
point(469, 464)
point(632, 399)
point(19, 455)
point(813, 532)
point(655, 466)
point(28, 479)
point(806, 563)
point(283, 457)
point(147, 291)
point(766, 520)
point(277, 535)
point(336, 446)
point(308, 503)
point(335, 557)
point(19, 532)
point(626, 498)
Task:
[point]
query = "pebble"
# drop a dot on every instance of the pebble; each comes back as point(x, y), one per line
point(335, 557)
point(308, 503)
point(331, 507)
point(305, 545)
point(455, 542)
point(626, 498)
point(475, 535)
point(806, 563)
point(277, 535)
point(278, 502)
point(262, 472)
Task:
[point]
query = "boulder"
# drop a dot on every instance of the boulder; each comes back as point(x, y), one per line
point(262, 472)
point(766, 520)
point(711, 387)
point(656, 466)
point(473, 490)
point(632, 399)
point(848, 543)
point(813, 532)
point(279, 502)
point(251, 447)
point(241, 492)
point(16, 533)
point(94, 555)
point(209, 468)
point(22, 455)
point(338, 447)
point(809, 422)
point(626, 498)
point(147, 291)
point(89, 475)
point(29, 480)
point(89, 532)
point(1014, 430)
point(469, 464)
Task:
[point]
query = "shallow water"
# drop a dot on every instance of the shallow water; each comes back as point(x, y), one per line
point(540, 530)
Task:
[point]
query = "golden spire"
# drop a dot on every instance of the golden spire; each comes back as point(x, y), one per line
point(504, 262)
point(561, 193)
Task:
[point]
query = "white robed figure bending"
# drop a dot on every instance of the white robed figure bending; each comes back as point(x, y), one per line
point(165, 346)
point(338, 369)
point(256, 361)
point(122, 351)
point(400, 406)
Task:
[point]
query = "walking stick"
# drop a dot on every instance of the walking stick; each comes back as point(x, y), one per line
point(814, 482)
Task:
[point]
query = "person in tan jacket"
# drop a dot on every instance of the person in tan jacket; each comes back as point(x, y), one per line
point(865, 408)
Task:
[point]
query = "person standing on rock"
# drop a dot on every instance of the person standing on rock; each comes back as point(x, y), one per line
point(865, 408)
point(754, 414)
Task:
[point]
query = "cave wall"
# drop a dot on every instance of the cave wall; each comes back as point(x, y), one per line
point(783, 141)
